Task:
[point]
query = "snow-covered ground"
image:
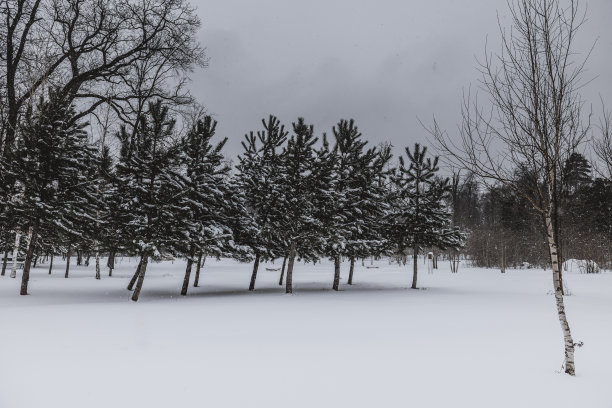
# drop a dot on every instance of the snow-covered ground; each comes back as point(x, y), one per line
point(473, 339)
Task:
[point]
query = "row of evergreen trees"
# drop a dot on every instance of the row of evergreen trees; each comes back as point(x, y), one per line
point(292, 195)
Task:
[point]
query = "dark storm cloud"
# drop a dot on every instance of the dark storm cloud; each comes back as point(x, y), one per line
point(385, 64)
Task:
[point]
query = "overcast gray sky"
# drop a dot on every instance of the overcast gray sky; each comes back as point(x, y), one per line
point(384, 63)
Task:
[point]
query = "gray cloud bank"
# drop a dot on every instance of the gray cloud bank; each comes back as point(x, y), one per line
point(383, 63)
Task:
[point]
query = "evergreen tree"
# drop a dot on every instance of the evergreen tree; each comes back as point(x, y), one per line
point(55, 160)
point(419, 217)
point(206, 195)
point(300, 185)
point(355, 198)
point(258, 175)
point(151, 189)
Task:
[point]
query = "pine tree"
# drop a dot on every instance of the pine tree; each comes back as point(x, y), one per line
point(258, 171)
point(298, 225)
point(355, 197)
point(206, 195)
point(55, 159)
point(420, 217)
point(151, 188)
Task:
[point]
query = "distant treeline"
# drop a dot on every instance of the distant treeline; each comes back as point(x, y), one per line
point(506, 231)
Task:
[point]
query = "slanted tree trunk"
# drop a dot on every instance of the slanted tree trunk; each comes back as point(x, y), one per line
point(5, 260)
point(280, 281)
point(136, 275)
point(50, 263)
point(289, 280)
point(415, 266)
point(111, 263)
point(15, 253)
point(254, 274)
point(141, 275)
point(199, 266)
point(87, 259)
point(68, 261)
point(187, 276)
point(567, 334)
point(336, 285)
point(25, 277)
point(350, 279)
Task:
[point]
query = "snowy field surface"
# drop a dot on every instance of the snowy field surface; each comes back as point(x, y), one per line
point(473, 339)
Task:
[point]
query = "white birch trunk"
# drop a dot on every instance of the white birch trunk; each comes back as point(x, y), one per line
point(15, 253)
point(567, 334)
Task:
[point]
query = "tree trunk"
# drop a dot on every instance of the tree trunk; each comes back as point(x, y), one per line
point(111, 263)
point(87, 259)
point(187, 276)
point(15, 253)
point(254, 274)
point(141, 275)
point(567, 334)
point(350, 279)
point(289, 280)
point(51, 263)
point(415, 266)
point(97, 260)
point(67, 261)
point(454, 262)
point(5, 260)
point(136, 275)
point(201, 262)
point(280, 281)
point(79, 257)
point(336, 285)
point(25, 277)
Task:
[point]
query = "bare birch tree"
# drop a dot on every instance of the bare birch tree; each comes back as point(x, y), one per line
point(533, 118)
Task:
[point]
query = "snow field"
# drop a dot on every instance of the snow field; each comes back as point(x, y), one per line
point(473, 339)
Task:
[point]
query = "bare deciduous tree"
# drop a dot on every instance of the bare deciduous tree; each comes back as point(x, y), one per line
point(117, 52)
point(603, 146)
point(533, 118)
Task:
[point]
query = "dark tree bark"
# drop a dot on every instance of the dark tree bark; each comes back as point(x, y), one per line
point(50, 263)
point(280, 281)
point(5, 260)
point(187, 276)
point(199, 266)
point(336, 273)
point(289, 280)
point(415, 266)
point(25, 277)
point(141, 275)
point(67, 261)
point(254, 274)
point(111, 263)
point(136, 275)
point(350, 279)
point(79, 257)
